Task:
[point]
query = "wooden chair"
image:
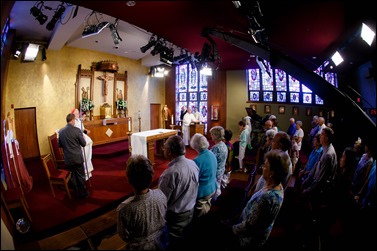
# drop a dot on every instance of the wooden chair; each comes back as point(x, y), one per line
point(54, 175)
point(14, 199)
point(56, 152)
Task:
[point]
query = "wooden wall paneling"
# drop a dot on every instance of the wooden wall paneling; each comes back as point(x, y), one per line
point(217, 97)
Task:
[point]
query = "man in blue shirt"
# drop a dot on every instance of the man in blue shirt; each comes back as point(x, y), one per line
point(292, 128)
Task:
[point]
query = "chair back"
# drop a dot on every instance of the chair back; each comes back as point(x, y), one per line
point(48, 164)
point(56, 151)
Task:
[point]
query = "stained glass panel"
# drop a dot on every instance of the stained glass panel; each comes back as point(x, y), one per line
point(281, 80)
point(281, 96)
point(254, 96)
point(194, 96)
point(318, 100)
point(182, 96)
point(193, 80)
point(253, 78)
point(305, 89)
point(267, 79)
point(267, 96)
point(307, 98)
point(182, 76)
point(294, 97)
point(331, 78)
point(203, 84)
point(294, 84)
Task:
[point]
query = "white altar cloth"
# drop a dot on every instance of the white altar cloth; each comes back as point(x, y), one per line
point(139, 140)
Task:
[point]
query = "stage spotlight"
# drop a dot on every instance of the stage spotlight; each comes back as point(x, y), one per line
point(57, 16)
point(37, 13)
point(114, 33)
point(152, 42)
point(166, 56)
point(158, 48)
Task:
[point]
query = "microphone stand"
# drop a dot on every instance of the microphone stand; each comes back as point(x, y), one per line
point(83, 149)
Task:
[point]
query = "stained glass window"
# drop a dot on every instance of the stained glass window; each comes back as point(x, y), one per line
point(331, 78)
point(287, 88)
point(191, 91)
point(4, 34)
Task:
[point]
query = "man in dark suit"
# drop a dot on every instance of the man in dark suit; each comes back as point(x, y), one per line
point(71, 139)
point(183, 112)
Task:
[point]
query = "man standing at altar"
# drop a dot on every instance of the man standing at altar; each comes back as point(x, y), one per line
point(71, 139)
point(187, 120)
point(87, 151)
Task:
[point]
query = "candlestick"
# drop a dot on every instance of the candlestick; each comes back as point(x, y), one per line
point(129, 125)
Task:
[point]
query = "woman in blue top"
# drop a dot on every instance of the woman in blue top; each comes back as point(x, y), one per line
point(221, 152)
point(207, 163)
point(258, 216)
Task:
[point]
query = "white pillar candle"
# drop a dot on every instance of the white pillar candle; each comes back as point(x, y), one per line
point(129, 125)
point(172, 119)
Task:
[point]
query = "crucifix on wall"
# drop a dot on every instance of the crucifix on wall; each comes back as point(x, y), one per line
point(105, 78)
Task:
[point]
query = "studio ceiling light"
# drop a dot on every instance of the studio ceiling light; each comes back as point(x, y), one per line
point(36, 11)
point(57, 16)
point(337, 58)
point(31, 52)
point(367, 34)
point(152, 42)
point(166, 56)
point(93, 29)
point(114, 32)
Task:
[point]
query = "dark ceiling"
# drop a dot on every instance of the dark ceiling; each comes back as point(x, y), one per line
point(306, 31)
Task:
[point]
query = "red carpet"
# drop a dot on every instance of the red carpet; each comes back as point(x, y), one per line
point(108, 187)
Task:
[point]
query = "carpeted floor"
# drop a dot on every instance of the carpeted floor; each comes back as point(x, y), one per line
point(108, 187)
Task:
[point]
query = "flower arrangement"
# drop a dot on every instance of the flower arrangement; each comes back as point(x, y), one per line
point(121, 104)
point(86, 105)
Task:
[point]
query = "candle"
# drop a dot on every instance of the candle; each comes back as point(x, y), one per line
point(129, 125)
point(172, 119)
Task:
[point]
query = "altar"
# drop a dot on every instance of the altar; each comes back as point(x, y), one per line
point(144, 142)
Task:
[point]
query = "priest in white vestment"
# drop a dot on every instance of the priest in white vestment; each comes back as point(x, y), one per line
point(188, 118)
point(87, 153)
